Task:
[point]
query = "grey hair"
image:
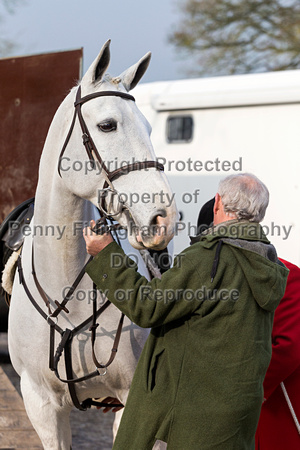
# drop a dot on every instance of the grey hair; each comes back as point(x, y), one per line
point(244, 196)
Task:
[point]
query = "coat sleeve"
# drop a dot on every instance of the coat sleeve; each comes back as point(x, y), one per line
point(286, 334)
point(148, 304)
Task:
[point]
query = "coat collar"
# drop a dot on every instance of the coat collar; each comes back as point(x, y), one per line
point(234, 229)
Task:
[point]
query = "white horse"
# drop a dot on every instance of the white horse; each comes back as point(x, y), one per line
point(115, 135)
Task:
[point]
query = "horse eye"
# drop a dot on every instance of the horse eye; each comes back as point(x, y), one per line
point(107, 125)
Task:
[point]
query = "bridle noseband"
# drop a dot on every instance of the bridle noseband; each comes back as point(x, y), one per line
point(90, 146)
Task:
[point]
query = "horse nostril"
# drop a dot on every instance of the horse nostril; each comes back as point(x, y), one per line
point(158, 223)
point(154, 234)
point(158, 218)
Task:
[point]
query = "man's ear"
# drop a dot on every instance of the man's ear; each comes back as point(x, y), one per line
point(217, 203)
point(217, 209)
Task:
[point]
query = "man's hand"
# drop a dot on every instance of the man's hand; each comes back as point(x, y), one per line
point(95, 242)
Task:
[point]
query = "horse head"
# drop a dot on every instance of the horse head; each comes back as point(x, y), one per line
point(109, 157)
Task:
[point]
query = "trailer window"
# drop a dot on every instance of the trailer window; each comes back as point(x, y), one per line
point(180, 129)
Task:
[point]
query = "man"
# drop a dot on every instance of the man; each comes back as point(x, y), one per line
point(279, 421)
point(198, 384)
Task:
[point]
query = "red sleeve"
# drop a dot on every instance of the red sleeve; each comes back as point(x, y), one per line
point(286, 333)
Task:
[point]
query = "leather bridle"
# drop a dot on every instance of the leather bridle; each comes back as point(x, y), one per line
point(91, 149)
point(51, 318)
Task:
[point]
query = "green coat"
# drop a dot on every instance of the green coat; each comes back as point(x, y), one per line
point(198, 383)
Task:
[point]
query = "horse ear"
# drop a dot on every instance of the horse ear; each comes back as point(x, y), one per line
point(100, 65)
point(132, 76)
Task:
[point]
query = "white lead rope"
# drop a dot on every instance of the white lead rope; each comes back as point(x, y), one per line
point(290, 407)
point(150, 263)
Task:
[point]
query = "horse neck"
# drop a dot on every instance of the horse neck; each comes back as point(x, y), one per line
point(59, 216)
point(58, 243)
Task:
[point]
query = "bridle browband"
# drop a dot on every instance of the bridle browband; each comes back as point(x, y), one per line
point(90, 146)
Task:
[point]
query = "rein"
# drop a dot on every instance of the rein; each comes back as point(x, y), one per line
point(51, 318)
point(67, 336)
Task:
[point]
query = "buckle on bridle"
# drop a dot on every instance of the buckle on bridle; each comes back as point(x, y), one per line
point(102, 195)
point(85, 138)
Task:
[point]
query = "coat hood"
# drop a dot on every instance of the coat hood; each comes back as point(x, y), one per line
point(256, 256)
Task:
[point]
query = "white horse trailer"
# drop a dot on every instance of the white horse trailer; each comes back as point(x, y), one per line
point(205, 129)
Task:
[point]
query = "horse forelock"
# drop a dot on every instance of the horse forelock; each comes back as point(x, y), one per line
point(108, 80)
point(115, 80)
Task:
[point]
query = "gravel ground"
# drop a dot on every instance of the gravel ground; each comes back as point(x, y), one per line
point(91, 429)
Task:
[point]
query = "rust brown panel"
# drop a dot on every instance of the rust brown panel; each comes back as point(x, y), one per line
point(31, 89)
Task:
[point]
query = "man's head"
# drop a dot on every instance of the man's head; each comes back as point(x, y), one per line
point(241, 196)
